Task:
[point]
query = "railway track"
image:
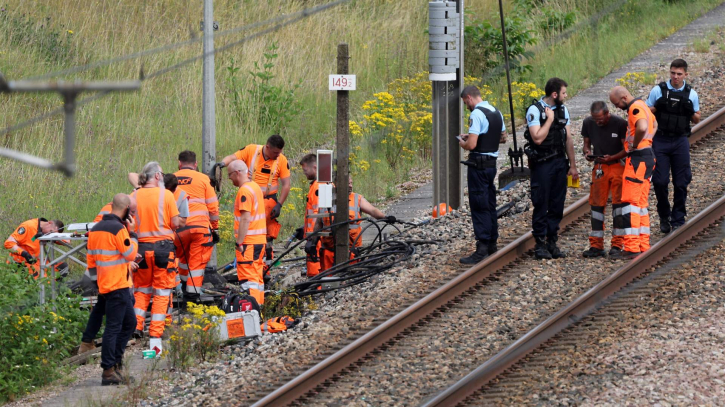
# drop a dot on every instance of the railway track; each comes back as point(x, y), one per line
point(613, 316)
point(417, 333)
point(656, 264)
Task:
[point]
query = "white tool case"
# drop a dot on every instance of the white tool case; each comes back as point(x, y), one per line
point(240, 325)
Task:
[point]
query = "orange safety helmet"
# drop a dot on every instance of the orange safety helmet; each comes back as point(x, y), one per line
point(441, 210)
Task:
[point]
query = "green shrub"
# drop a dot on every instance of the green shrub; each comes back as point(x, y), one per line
point(34, 337)
point(272, 106)
point(484, 46)
point(554, 20)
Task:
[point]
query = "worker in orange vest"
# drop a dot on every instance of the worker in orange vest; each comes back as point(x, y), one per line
point(197, 238)
point(269, 168)
point(357, 204)
point(638, 169)
point(250, 230)
point(24, 245)
point(156, 219)
point(309, 168)
point(95, 319)
point(110, 250)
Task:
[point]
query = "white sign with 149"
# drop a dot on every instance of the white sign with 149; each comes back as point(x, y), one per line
point(342, 82)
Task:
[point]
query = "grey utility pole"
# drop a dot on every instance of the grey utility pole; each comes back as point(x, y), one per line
point(208, 124)
point(342, 236)
point(445, 58)
point(69, 91)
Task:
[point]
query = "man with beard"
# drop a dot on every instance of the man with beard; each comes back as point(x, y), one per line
point(550, 151)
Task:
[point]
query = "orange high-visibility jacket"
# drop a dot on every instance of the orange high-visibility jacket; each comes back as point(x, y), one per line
point(24, 238)
point(266, 173)
point(312, 208)
point(249, 199)
point(110, 249)
point(155, 208)
point(203, 202)
point(354, 213)
point(104, 211)
point(636, 111)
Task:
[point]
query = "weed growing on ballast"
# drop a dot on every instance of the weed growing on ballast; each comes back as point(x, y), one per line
point(287, 302)
point(195, 337)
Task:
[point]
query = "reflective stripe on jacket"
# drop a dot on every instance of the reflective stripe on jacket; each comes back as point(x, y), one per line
point(24, 238)
point(249, 199)
point(155, 208)
point(203, 202)
point(110, 249)
point(354, 202)
point(312, 207)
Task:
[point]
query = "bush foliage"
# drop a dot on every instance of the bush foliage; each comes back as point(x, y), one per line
point(35, 338)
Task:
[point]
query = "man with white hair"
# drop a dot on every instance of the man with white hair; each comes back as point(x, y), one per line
point(156, 219)
point(250, 230)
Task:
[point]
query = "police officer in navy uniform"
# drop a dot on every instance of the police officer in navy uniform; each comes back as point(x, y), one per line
point(675, 104)
point(485, 131)
point(550, 151)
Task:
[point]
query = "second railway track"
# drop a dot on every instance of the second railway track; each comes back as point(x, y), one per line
point(435, 341)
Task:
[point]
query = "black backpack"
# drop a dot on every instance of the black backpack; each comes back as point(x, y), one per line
point(235, 302)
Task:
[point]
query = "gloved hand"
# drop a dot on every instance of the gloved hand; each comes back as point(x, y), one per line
point(299, 233)
point(215, 236)
point(28, 257)
point(221, 164)
point(390, 219)
point(311, 247)
point(276, 211)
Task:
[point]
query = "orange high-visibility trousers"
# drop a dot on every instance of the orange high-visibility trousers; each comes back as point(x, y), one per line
point(606, 179)
point(313, 267)
point(635, 200)
point(155, 277)
point(327, 258)
point(250, 269)
point(193, 248)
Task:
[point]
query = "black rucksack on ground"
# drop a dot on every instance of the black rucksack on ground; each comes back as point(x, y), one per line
point(236, 302)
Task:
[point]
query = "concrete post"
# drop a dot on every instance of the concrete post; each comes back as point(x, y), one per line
point(208, 125)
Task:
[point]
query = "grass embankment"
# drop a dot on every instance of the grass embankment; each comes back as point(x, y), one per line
point(122, 132)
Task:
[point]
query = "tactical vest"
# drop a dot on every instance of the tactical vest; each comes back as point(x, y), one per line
point(673, 111)
point(488, 141)
point(555, 141)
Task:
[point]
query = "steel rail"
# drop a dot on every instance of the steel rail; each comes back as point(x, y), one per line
point(388, 330)
point(592, 299)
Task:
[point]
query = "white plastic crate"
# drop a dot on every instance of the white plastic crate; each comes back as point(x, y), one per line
point(240, 325)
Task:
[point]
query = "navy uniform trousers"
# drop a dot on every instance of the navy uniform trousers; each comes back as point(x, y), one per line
point(548, 193)
point(672, 154)
point(482, 200)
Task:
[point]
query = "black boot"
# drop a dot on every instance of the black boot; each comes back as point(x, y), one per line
point(541, 251)
point(665, 225)
point(492, 247)
point(480, 253)
point(553, 249)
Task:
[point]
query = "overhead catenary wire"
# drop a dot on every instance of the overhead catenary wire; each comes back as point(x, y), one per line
point(308, 12)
